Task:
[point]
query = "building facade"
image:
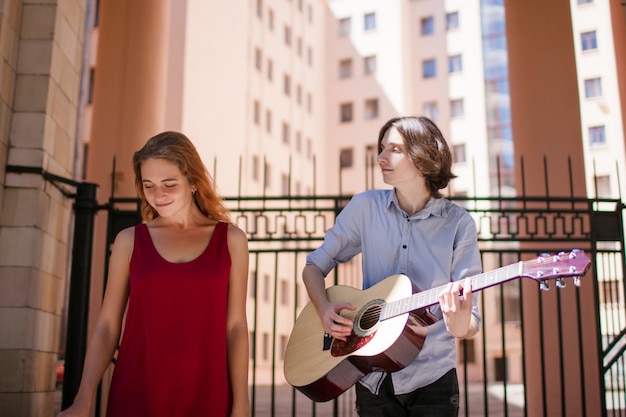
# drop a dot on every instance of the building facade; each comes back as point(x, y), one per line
point(281, 97)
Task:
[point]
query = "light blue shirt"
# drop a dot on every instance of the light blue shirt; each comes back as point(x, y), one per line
point(432, 247)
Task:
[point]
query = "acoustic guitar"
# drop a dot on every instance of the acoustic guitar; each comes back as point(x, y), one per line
point(390, 325)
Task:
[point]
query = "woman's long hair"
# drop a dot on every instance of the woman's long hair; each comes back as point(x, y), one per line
point(427, 149)
point(176, 148)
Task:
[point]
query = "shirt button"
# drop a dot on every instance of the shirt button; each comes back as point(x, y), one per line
point(403, 246)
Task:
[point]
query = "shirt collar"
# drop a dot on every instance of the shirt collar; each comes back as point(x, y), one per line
point(434, 207)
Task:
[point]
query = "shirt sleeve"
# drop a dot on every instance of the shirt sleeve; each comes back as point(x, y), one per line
point(466, 260)
point(342, 241)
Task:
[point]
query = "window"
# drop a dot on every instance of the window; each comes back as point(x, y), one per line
point(429, 68)
point(369, 64)
point(299, 94)
point(309, 102)
point(427, 26)
point(346, 112)
point(345, 158)
point(298, 191)
point(266, 287)
point(265, 351)
point(309, 9)
point(593, 88)
point(452, 20)
point(92, 83)
point(284, 184)
point(369, 21)
point(345, 26)
point(287, 36)
point(467, 354)
point(455, 64)
point(270, 69)
point(268, 121)
point(345, 68)
point(270, 19)
point(588, 40)
point(96, 14)
point(255, 168)
point(371, 108)
point(287, 85)
point(258, 58)
point(603, 186)
point(431, 111)
point(286, 133)
point(597, 135)
point(309, 56)
point(584, 2)
point(457, 108)
point(299, 46)
point(259, 8)
point(458, 152)
point(298, 142)
point(267, 176)
point(256, 112)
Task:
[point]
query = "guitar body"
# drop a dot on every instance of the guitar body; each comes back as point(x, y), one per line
point(322, 368)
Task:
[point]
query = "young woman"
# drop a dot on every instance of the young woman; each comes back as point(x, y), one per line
point(183, 275)
point(408, 229)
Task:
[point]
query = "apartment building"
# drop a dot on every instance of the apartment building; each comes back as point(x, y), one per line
point(282, 97)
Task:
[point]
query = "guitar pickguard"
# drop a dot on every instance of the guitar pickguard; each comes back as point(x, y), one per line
point(351, 344)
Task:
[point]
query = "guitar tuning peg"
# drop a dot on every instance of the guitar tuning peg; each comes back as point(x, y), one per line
point(560, 283)
point(543, 286)
point(577, 281)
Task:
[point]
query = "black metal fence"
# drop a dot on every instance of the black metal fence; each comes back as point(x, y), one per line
point(493, 366)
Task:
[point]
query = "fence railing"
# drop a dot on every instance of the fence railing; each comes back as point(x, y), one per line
point(493, 366)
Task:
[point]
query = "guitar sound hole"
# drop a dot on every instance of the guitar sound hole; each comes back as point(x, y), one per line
point(370, 318)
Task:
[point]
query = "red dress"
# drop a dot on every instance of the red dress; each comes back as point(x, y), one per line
point(173, 356)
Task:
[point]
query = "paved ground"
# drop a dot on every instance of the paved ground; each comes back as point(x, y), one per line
point(279, 403)
point(283, 396)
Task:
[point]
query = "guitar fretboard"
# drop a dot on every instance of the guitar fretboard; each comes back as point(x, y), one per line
point(430, 297)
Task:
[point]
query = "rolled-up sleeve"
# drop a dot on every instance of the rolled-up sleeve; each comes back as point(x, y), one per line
point(342, 241)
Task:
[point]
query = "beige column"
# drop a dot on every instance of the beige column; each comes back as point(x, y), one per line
point(41, 49)
point(129, 102)
point(546, 123)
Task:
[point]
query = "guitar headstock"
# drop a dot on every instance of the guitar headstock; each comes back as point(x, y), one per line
point(572, 264)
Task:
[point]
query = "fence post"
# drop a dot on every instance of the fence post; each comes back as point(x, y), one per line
point(85, 208)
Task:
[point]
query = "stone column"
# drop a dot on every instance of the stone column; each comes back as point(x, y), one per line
point(41, 48)
point(128, 108)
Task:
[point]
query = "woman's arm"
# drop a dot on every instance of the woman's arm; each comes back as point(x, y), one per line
point(106, 335)
point(236, 321)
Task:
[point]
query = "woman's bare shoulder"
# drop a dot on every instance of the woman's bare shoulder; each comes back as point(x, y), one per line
point(125, 239)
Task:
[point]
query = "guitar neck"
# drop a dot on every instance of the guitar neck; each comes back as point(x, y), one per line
point(429, 297)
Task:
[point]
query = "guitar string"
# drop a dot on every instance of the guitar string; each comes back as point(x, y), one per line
point(430, 297)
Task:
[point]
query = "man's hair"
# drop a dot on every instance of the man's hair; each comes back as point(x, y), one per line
point(426, 148)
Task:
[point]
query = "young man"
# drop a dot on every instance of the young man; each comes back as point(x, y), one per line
point(411, 230)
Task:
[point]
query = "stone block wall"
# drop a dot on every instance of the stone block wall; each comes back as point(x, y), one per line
point(41, 58)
